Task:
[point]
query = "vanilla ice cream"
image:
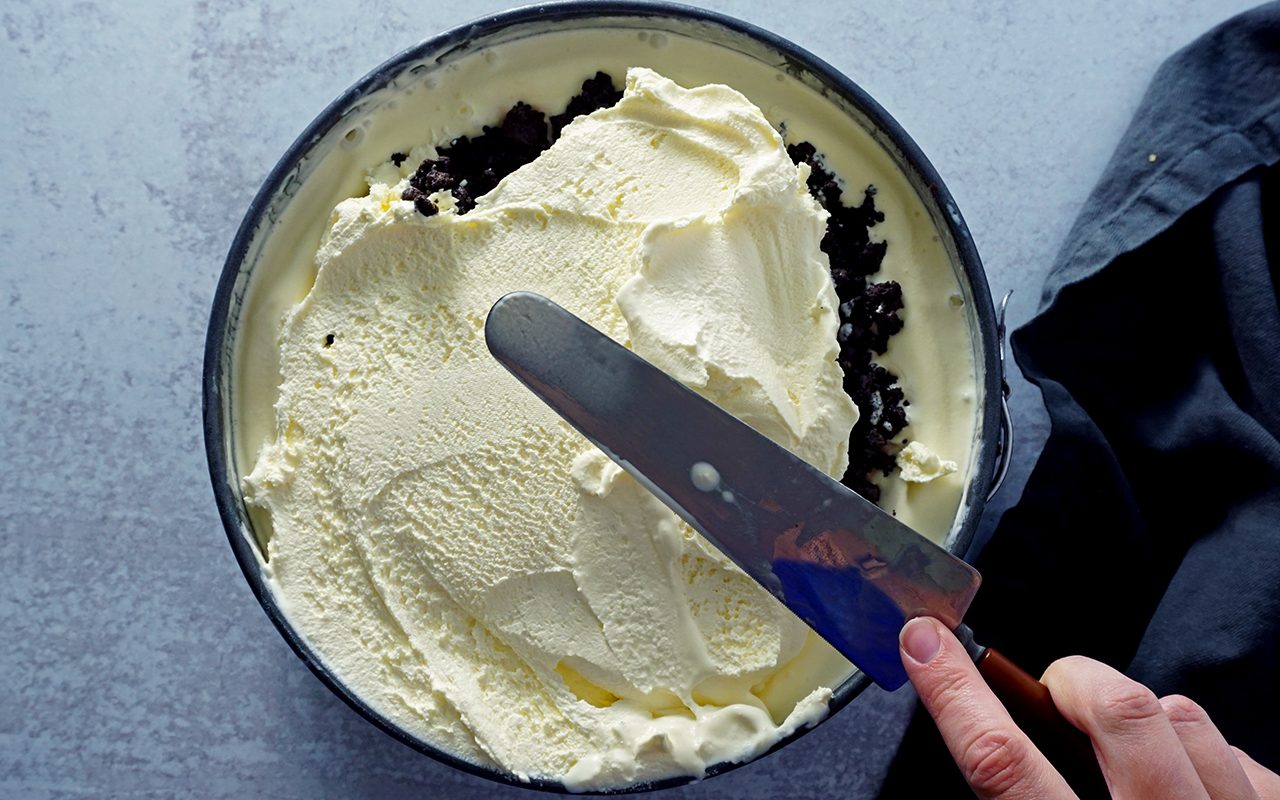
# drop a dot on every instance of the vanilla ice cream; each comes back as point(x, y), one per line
point(456, 554)
point(918, 464)
point(488, 577)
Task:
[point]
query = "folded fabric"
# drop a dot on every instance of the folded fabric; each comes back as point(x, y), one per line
point(1148, 535)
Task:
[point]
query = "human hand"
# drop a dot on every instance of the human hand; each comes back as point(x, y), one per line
point(1147, 747)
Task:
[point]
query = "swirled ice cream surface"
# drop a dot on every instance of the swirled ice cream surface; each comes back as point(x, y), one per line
point(467, 563)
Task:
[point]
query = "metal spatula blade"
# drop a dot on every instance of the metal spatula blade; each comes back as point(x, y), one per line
point(839, 562)
point(852, 572)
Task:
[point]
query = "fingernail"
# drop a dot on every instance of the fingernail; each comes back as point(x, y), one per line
point(920, 640)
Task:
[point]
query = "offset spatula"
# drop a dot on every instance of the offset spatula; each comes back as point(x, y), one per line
point(851, 571)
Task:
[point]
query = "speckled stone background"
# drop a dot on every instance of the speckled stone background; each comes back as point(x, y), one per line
point(133, 659)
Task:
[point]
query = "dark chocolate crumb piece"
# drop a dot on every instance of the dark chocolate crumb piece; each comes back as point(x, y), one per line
point(420, 201)
point(526, 129)
point(847, 242)
point(425, 207)
point(328, 340)
point(469, 167)
point(432, 175)
point(868, 318)
point(871, 446)
point(597, 92)
point(398, 158)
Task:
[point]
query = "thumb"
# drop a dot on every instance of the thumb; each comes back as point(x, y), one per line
point(994, 755)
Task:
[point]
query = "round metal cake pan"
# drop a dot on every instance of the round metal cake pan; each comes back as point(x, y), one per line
point(290, 175)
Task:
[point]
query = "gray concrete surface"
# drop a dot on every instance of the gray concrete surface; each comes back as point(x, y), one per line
point(134, 661)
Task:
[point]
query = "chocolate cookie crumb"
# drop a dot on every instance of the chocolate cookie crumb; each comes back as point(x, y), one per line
point(469, 167)
point(868, 318)
point(597, 92)
point(420, 201)
point(398, 158)
point(433, 175)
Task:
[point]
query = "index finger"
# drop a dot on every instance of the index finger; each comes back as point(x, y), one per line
point(1137, 746)
point(995, 756)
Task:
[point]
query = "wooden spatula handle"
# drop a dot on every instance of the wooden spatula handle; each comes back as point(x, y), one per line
point(1031, 706)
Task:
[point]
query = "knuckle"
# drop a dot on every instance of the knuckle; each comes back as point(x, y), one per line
point(946, 689)
point(1183, 711)
point(993, 763)
point(1125, 706)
